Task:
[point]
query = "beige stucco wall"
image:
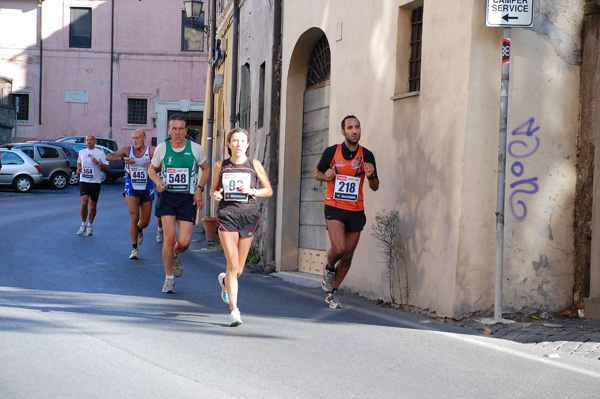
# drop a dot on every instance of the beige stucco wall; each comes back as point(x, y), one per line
point(545, 86)
point(437, 152)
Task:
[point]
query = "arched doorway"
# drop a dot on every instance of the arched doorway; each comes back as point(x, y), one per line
point(304, 136)
point(312, 236)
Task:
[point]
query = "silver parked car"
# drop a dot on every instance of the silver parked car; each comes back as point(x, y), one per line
point(19, 170)
point(55, 164)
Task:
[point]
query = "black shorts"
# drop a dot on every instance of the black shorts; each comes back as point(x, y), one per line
point(179, 205)
point(353, 220)
point(245, 223)
point(91, 189)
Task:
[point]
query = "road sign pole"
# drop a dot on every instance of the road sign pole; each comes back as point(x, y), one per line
point(502, 174)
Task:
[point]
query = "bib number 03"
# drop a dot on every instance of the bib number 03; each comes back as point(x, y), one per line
point(232, 183)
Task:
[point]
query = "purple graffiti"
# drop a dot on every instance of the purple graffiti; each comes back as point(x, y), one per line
point(532, 182)
point(521, 151)
point(528, 132)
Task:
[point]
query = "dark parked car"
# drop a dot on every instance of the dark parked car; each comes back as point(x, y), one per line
point(56, 167)
point(19, 170)
point(103, 141)
point(117, 168)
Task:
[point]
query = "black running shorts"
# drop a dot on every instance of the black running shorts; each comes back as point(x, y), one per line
point(353, 220)
point(180, 205)
point(245, 223)
point(91, 189)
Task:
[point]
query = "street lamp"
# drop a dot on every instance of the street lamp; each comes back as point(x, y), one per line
point(193, 11)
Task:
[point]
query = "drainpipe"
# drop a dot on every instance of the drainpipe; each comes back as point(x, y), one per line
point(112, 52)
point(234, 63)
point(41, 69)
point(211, 106)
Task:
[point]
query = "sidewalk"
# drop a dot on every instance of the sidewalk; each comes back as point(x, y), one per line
point(556, 337)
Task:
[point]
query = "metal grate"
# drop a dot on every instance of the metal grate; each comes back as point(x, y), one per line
point(319, 66)
point(137, 111)
point(415, 49)
point(23, 111)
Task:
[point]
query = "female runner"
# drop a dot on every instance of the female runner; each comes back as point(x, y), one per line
point(235, 187)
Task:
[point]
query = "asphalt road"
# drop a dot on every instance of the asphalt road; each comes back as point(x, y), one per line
point(78, 319)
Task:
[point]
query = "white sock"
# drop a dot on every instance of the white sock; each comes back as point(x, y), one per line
point(84, 224)
point(171, 277)
point(159, 229)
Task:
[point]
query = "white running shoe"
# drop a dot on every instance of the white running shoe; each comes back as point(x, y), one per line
point(169, 286)
point(89, 231)
point(333, 300)
point(159, 236)
point(236, 319)
point(224, 295)
point(135, 254)
point(81, 230)
point(327, 281)
point(140, 237)
point(177, 265)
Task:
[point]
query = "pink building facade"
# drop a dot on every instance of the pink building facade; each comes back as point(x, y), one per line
point(101, 67)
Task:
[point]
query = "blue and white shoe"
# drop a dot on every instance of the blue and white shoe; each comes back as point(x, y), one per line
point(224, 295)
point(235, 320)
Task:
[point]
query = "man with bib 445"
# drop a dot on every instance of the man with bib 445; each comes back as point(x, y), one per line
point(139, 189)
point(344, 168)
point(179, 161)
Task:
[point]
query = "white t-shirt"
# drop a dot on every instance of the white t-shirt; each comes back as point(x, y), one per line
point(90, 172)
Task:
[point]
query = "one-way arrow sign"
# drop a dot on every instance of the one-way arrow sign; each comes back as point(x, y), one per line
point(509, 13)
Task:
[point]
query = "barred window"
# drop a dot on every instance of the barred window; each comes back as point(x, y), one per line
point(415, 49)
point(137, 111)
point(23, 106)
point(319, 66)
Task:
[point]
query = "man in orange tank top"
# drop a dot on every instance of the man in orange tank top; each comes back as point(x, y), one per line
point(344, 168)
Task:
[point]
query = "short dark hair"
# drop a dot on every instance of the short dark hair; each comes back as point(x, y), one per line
point(177, 117)
point(348, 117)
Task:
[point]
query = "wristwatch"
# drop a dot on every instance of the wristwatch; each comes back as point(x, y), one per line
point(201, 188)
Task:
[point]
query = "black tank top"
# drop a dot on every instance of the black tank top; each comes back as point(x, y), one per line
point(232, 177)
